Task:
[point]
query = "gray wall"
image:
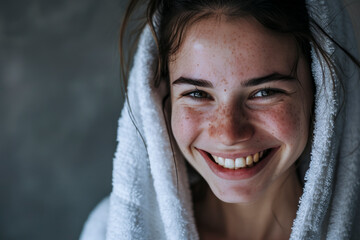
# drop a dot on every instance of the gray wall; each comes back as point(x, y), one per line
point(59, 103)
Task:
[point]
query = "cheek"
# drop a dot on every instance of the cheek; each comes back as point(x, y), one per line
point(217, 121)
point(185, 124)
point(286, 122)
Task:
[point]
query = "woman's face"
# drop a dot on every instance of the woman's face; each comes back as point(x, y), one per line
point(240, 111)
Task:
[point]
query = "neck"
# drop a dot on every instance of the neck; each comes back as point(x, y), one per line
point(271, 214)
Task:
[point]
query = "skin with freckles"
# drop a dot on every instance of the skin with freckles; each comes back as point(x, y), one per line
point(233, 92)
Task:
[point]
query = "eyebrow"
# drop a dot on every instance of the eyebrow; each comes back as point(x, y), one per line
point(269, 78)
point(249, 83)
point(195, 82)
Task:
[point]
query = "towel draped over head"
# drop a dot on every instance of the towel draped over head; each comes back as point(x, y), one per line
point(151, 197)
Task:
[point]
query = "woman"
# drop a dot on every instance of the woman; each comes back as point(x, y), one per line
point(269, 124)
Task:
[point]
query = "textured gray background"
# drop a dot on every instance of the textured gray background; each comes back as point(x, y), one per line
point(59, 103)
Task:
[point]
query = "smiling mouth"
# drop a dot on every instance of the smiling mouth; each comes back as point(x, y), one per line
point(240, 162)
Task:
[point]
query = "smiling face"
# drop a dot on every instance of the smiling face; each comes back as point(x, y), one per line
point(240, 112)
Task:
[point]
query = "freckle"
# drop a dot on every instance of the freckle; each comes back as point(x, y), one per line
point(224, 90)
point(224, 81)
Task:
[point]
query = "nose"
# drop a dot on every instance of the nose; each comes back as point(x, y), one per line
point(231, 125)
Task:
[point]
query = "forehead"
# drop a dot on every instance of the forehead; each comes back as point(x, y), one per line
point(217, 46)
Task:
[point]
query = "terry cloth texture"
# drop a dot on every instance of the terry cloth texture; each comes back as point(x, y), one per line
point(150, 200)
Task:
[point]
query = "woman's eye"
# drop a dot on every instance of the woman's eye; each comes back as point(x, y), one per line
point(266, 93)
point(198, 95)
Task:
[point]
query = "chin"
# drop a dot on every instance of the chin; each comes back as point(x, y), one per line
point(234, 192)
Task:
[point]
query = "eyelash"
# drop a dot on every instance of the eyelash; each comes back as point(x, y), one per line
point(192, 94)
point(269, 92)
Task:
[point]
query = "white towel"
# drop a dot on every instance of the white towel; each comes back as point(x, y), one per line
point(149, 201)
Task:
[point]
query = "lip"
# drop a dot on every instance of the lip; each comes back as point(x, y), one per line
point(236, 174)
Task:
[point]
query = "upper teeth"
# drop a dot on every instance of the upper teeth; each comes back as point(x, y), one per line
point(238, 162)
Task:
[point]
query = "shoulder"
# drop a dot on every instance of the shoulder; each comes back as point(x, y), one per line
point(96, 224)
